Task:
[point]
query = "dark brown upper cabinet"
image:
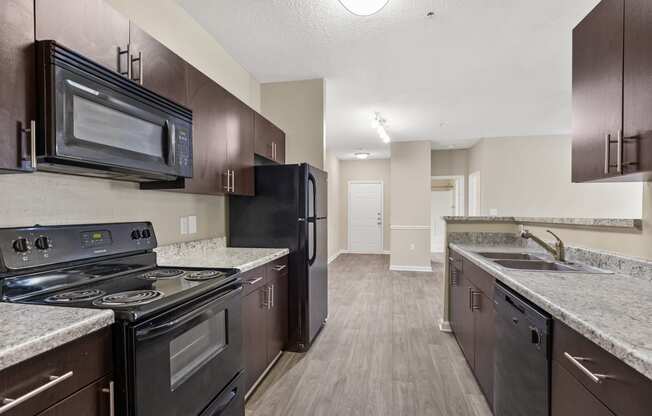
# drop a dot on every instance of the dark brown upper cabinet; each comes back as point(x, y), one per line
point(240, 147)
point(91, 27)
point(17, 101)
point(156, 67)
point(612, 93)
point(207, 100)
point(270, 140)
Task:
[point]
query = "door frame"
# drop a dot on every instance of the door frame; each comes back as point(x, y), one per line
point(460, 192)
point(478, 193)
point(382, 215)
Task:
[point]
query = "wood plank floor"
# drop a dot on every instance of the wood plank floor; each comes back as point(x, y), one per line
point(380, 353)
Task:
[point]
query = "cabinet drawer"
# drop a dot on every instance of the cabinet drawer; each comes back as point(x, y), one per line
point(480, 279)
point(254, 279)
point(77, 364)
point(625, 391)
point(94, 400)
point(570, 398)
point(277, 268)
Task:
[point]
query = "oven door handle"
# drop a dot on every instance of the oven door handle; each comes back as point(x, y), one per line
point(158, 330)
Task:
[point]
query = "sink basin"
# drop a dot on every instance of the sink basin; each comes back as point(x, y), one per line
point(539, 265)
point(549, 266)
point(510, 256)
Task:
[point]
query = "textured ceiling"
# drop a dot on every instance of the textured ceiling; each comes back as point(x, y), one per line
point(478, 68)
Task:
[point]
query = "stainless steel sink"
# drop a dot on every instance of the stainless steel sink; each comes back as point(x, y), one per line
point(510, 256)
point(549, 266)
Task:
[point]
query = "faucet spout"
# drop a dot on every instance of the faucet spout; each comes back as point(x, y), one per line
point(558, 251)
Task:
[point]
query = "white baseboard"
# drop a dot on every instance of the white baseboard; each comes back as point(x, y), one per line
point(445, 326)
point(427, 269)
point(334, 256)
point(365, 252)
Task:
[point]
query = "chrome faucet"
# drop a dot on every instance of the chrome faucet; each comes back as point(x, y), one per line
point(558, 251)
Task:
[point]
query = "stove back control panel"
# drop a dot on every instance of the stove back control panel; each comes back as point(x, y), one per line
point(38, 246)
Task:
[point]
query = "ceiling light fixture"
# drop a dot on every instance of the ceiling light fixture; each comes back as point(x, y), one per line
point(379, 125)
point(364, 7)
point(362, 155)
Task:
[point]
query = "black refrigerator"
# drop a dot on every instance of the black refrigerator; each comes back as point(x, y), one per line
point(290, 210)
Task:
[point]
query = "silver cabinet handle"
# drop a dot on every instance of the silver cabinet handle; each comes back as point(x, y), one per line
point(254, 281)
point(271, 296)
point(607, 153)
point(596, 378)
point(280, 267)
point(111, 392)
point(619, 163)
point(232, 181)
point(32, 142)
point(126, 52)
point(140, 67)
point(8, 404)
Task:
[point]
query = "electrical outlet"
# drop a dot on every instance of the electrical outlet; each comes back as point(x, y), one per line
point(412, 246)
point(493, 212)
point(192, 224)
point(183, 225)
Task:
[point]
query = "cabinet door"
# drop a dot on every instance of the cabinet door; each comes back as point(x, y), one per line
point(207, 101)
point(279, 147)
point(278, 313)
point(262, 137)
point(90, 27)
point(240, 146)
point(638, 86)
point(485, 336)
point(17, 104)
point(570, 398)
point(254, 314)
point(162, 71)
point(93, 400)
point(597, 91)
point(461, 314)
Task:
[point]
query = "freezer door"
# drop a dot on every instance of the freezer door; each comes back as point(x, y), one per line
point(317, 193)
point(317, 276)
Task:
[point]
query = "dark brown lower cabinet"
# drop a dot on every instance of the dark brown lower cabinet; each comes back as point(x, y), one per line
point(570, 398)
point(473, 319)
point(265, 309)
point(82, 368)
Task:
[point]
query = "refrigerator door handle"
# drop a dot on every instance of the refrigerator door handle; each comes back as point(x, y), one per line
point(313, 183)
point(313, 222)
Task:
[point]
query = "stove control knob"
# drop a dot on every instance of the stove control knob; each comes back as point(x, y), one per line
point(21, 245)
point(135, 234)
point(146, 233)
point(42, 243)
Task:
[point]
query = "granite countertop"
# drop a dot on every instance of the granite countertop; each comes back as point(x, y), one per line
point(612, 310)
point(633, 224)
point(211, 253)
point(29, 330)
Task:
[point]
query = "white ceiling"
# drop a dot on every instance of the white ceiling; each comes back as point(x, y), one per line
point(478, 68)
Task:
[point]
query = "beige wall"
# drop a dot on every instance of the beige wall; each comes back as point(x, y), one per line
point(531, 176)
point(59, 199)
point(449, 162)
point(333, 169)
point(410, 204)
point(364, 170)
point(297, 107)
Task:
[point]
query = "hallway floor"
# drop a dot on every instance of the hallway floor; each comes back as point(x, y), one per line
point(380, 353)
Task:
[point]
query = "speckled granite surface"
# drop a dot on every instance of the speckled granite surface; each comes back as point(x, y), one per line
point(213, 253)
point(634, 224)
point(612, 310)
point(29, 330)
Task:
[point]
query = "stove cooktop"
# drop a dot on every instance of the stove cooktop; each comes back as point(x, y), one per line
point(133, 295)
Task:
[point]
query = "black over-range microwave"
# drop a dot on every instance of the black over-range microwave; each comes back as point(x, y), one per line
point(94, 122)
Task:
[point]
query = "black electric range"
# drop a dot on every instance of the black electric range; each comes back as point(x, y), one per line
point(179, 326)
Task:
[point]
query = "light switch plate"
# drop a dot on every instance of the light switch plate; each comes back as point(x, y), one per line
point(183, 225)
point(192, 224)
point(493, 212)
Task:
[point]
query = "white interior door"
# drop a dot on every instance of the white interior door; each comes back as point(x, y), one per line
point(366, 217)
point(442, 204)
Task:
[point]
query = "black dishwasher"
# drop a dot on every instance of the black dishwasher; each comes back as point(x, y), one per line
point(522, 361)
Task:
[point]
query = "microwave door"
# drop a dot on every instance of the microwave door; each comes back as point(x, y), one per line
point(102, 126)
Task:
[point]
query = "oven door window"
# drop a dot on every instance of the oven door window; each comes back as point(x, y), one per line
point(195, 347)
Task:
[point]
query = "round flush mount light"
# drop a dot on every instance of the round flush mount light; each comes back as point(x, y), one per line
point(362, 155)
point(364, 7)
